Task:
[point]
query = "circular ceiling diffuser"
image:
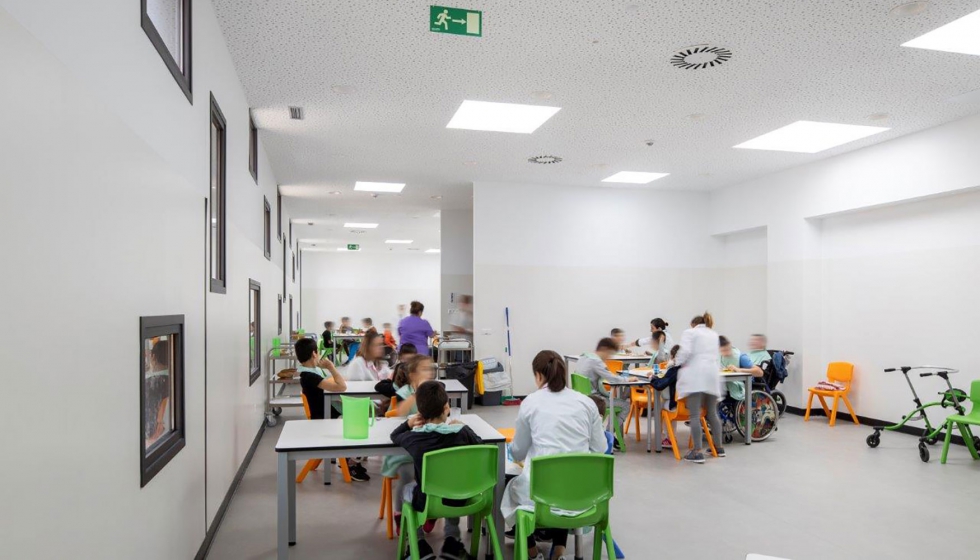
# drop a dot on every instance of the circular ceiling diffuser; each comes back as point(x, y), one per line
point(544, 160)
point(700, 57)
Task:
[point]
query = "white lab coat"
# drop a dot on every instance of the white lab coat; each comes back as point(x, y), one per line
point(699, 358)
point(360, 370)
point(548, 424)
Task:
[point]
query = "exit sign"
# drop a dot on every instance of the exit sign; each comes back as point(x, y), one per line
point(455, 21)
point(353, 247)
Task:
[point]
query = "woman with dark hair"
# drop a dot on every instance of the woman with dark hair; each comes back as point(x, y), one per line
point(552, 420)
point(415, 330)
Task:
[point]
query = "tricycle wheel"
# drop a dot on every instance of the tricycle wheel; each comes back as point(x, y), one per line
point(976, 442)
point(923, 452)
point(873, 440)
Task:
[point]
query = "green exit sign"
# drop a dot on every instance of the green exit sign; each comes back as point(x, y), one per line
point(455, 21)
point(353, 247)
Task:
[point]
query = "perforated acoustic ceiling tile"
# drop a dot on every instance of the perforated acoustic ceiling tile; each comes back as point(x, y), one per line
point(607, 67)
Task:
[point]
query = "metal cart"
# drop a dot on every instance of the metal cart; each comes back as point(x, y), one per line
point(277, 399)
point(454, 350)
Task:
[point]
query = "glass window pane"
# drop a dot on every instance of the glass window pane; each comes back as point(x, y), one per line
point(167, 18)
point(159, 389)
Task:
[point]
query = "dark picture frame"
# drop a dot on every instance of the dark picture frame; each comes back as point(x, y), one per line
point(255, 331)
point(168, 445)
point(180, 71)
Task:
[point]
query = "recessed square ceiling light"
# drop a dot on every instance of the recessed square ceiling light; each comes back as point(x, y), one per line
point(960, 36)
point(360, 226)
point(378, 187)
point(398, 241)
point(810, 137)
point(433, 251)
point(501, 117)
point(634, 177)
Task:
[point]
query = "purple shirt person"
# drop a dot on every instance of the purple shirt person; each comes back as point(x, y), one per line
point(414, 329)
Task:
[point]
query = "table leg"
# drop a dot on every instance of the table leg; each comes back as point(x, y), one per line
point(579, 547)
point(464, 402)
point(658, 428)
point(612, 411)
point(748, 410)
point(286, 522)
point(498, 497)
point(333, 340)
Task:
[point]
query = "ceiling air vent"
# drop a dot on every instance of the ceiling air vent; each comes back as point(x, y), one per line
point(700, 57)
point(544, 160)
point(296, 113)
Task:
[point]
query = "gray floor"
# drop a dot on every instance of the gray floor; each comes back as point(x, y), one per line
point(810, 493)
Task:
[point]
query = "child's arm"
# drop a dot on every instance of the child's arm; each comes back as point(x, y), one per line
point(397, 432)
point(335, 382)
point(405, 406)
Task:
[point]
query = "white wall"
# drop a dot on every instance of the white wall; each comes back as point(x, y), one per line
point(363, 284)
point(841, 232)
point(456, 232)
point(102, 205)
point(742, 278)
point(572, 263)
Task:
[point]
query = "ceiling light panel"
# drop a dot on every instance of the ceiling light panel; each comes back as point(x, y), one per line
point(379, 187)
point(358, 225)
point(960, 36)
point(433, 251)
point(501, 117)
point(634, 177)
point(810, 137)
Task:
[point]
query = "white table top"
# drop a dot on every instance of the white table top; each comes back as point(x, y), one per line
point(347, 335)
point(631, 358)
point(360, 388)
point(316, 435)
point(628, 382)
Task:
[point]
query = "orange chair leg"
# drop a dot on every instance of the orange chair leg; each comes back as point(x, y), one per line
point(809, 404)
point(310, 466)
point(823, 404)
point(636, 419)
point(833, 415)
point(711, 440)
point(850, 409)
point(344, 469)
point(626, 425)
point(671, 437)
point(391, 515)
point(385, 488)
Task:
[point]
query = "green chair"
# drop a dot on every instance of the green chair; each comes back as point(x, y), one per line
point(572, 482)
point(963, 422)
point(581, 384)
point(460, 473)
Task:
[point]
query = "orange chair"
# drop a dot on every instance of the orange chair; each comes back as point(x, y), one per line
point(638, 403)
point(387, 505)
point(312, 464)
point(508, 434)
point(840, 372)
point(682, 414)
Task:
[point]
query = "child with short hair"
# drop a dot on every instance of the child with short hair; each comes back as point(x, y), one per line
point(389, 337)
point(619, 337)
point(593, 366)
point(429, 431)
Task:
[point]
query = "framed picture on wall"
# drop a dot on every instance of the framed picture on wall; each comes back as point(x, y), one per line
point(254, 331)
point(162, 432)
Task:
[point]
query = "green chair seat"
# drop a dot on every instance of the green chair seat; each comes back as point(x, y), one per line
point(460, 473)
point(963, 423)
point(572, 482)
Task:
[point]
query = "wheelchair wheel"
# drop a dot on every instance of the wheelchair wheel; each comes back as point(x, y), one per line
point(780, 399)
point(764, 416)
point(726, 414)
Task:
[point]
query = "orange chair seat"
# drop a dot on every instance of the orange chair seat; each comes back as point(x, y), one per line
point(508, 434)
point(840, 372)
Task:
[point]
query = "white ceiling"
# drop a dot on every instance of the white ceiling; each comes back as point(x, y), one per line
point(607, 65)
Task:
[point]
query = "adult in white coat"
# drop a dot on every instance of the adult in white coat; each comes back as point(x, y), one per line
point(552, 420)
point(699, 381)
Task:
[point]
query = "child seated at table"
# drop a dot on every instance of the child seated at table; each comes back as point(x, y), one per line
point(313, 382)
point(734, 360)
point(619, 337)
point(429, 431)
point(600, 404)
point(593, 366)
point(386, 387)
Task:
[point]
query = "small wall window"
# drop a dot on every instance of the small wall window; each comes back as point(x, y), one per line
point(294, 268)
point(167, 23)
point(162, 433)
point(291, 329)
point(253, 149)
point(279, 214)
point(267, 229)
point(279, 315)
point(254, 331)
point(217, 198)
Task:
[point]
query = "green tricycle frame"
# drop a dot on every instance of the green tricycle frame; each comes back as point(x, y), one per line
point(951, 398)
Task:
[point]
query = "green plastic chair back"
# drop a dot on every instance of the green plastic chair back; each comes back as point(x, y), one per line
point(358, 417)
point(581, 384)
point(459, 473)
point(975, 396)
point(574, 482)
point(963, 422)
